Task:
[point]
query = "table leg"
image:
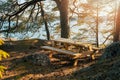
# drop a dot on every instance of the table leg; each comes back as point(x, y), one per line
point(75, 62)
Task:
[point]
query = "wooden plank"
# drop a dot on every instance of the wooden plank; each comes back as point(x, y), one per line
point(84, 54)
point(72, 42)
point(59, 50)
point(69, 41)
point(74, 54)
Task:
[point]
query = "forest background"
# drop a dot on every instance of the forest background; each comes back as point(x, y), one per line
point(83, 20)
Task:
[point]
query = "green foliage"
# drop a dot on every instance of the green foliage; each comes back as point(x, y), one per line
point(3, 54)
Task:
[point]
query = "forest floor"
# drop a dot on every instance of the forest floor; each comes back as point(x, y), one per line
point(58, 70)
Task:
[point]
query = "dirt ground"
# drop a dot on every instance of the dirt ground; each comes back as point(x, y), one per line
point(58, 70)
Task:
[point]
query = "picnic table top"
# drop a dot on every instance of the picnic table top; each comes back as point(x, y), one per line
point(70, 41)
point(76, 42)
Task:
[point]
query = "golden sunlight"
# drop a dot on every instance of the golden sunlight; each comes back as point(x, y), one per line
point(83, 1)
point(105, 11)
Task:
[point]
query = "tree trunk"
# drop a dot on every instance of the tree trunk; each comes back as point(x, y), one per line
point(45, 22)
point(97, 28)
point(117, 27)
point(64, 18)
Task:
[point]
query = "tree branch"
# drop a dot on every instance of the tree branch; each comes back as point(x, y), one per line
point(24, 6)
point(58, 2)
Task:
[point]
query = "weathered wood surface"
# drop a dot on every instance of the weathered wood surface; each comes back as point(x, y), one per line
point(69, 41)
point(58, 50)
point(84, 54)
point(74, 55)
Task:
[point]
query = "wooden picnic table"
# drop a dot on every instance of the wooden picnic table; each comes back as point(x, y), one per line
point(62, 45)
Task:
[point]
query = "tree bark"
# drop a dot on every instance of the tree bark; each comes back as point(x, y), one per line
point(64, 17)
point(45, 22)
point(117, 27)
point(97, 27)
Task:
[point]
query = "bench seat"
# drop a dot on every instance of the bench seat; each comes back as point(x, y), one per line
point(74, 55)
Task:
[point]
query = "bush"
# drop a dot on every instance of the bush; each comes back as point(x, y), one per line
point(3, 54)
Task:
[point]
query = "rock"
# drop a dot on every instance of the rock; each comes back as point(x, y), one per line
point(111, 51)
point(38, 59)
